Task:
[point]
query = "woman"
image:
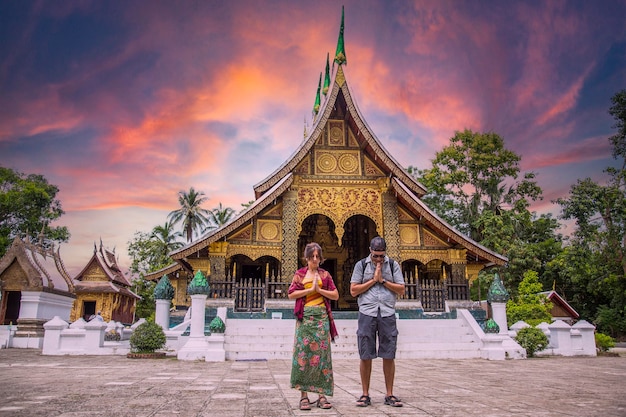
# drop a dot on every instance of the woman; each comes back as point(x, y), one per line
point(312, 368)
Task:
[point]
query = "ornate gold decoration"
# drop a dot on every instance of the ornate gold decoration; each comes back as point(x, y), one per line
point(218, 248)
point(425, 255)
point(276, 210)
point(391, 232)
point(371, 168)
point(432, 240)
point(326, 163)
point(404, 216)
point(254, 252)
point(200, 264)
point(409, 235)
point(268, 230)
point(94, 273)
point(303, 167)
point(458, 256)
point(337, 162)
point(472, 270)
point(335, 137)
point(352, 142)
point(340, 78)
point(243, 234)
point(291, 229)
point(339, 204)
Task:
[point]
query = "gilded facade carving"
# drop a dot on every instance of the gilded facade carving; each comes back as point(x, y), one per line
point(268, 231)
point(346, 162)
point(472, 271)
point(390, 230)
point(425, 255)
point(370, 168)
point(291, 227)
point(303, 167)
point(403, 216)
point(276, 211)
point(352, 142)
point(339, 204)
point(409, 235)
point(243, 234)
point(254, 252)
point(336, 133)
point(432, 240)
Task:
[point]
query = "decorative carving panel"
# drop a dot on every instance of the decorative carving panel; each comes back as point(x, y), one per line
point(432, 240)
point(409, 235)
point(291, 225)
point(337, 162)
point(336, 133)
point(254, 252)
point(269, 231)
point(339, 204)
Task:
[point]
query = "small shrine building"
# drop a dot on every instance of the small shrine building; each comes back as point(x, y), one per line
point(102, 286)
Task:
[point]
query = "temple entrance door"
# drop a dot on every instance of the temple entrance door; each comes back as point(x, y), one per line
point(89, 309)
point(359, 230)
point(11, 306)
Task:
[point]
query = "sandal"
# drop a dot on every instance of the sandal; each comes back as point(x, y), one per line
point(364, 401)
point(322, 402)
point(305, 404)
point(393, 401)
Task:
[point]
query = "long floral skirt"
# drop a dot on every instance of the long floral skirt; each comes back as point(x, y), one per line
point(312, 366)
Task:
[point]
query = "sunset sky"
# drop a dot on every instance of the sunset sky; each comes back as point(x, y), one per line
point(122, 104)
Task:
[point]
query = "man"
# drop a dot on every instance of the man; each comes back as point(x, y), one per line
point(377, 282)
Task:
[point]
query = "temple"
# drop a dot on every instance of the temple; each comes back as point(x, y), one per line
point(340, 188)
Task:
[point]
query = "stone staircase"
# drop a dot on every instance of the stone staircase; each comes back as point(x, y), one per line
point(419, 338)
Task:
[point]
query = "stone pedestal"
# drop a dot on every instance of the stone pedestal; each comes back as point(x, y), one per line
point(197, 345)
point(162, 314)
point(499, 316)
point(492, 347)
point(216, 351)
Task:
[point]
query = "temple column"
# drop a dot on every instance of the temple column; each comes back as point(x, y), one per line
point(217, 259)
point(290, 255)
point(391, 225)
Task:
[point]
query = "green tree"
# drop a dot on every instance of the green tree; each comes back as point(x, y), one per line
point(28, 206)
point(164, 237)
point(190, 213)
point(529, 305)
point(474, 174)
point(600, 215)
point(219, 216)
point(149, 252)
point(476, 185)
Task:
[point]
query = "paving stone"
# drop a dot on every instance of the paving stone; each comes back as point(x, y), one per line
point(71, 386)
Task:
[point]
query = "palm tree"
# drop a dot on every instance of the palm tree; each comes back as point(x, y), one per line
point(190, 212)
point(219, 216)
point(164, 237)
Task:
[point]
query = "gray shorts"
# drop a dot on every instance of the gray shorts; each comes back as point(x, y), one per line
point(385, 328)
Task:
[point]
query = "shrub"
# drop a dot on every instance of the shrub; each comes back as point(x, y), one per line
point(147, 338)
point(604, 342)
point(532, 339)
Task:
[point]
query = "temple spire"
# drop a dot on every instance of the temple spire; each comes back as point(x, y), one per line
point(340, 54)
point(316, 107)
point(327, 75)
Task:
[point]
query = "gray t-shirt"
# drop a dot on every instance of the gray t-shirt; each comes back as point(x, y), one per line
point(377, 297)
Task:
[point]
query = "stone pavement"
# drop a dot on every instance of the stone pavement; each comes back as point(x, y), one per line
point(36, 385)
